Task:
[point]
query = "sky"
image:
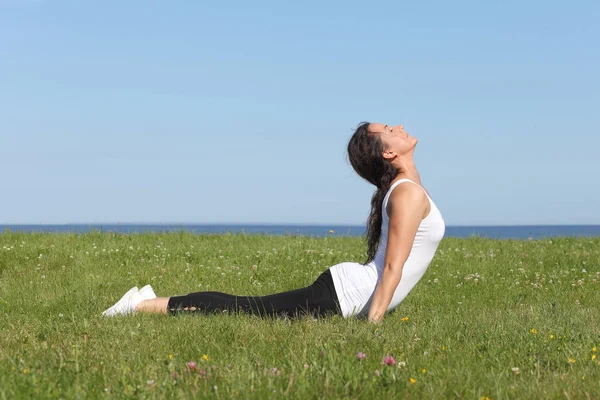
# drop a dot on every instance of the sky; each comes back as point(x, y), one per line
point(240, 112)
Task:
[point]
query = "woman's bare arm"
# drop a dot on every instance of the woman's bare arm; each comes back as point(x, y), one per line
point(406, 208)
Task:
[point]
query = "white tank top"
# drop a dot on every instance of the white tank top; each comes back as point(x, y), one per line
point(355, 283)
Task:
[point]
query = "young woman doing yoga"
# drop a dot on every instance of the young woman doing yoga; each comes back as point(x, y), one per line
point(404, 229)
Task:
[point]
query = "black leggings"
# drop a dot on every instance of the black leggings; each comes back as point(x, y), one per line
point(318, 300)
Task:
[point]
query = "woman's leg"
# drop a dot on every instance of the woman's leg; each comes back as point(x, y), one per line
point(318, 299)
point(288, 303)
point(154, 306)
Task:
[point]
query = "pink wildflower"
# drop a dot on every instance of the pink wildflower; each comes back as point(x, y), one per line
point(361, 356)
point(389, 360)
point(202, 372)
point(192, 366)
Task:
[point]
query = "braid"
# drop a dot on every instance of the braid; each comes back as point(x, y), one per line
point(365, 154)
point(375, 219)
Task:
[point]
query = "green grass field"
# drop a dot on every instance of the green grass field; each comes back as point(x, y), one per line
point(490, 319)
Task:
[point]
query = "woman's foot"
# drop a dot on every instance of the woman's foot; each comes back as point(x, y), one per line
point(147, 293)
point(129, 301)
point(110, 312)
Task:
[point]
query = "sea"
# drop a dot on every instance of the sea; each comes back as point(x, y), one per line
point(492, 232)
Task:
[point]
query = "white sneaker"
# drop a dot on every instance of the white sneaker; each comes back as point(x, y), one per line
point(147, 293)
point(111, 311)
point(128, 305)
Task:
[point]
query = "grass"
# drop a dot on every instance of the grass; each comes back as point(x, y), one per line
point(483, 309)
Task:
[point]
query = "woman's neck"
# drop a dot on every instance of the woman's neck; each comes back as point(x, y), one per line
point(408, 170)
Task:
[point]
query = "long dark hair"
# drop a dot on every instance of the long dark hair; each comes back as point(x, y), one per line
point(365, 154)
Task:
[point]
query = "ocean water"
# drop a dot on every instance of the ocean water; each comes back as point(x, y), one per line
point(493, 232)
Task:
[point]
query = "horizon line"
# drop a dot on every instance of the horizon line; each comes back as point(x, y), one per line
point(275, 224)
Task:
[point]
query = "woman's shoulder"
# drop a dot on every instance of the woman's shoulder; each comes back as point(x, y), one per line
point(406, 189)
point(407, 196)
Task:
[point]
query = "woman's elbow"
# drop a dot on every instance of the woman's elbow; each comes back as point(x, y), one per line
point(393, 270)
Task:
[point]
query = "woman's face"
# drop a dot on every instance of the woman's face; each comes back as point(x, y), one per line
point(396, 141)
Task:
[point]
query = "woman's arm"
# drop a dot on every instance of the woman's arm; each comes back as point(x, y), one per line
point(406, 208)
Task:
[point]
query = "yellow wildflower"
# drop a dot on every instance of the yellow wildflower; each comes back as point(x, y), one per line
point(484, 398)
point(594, 349)
point(404, 319)
point(533, 331)
point(412, 380)
point(423, 370)
point(551, 336)
point(25, 370)
point(205, 357)
point(170, 356)
point(593, 357)
point(331, 231)
point(571, 361)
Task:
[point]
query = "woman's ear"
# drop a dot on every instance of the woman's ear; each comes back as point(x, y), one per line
point(389, 155)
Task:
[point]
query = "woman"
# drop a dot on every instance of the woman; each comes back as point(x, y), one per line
point(404, 229)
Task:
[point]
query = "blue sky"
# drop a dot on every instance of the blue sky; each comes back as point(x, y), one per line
point(240, 112)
